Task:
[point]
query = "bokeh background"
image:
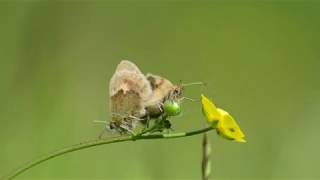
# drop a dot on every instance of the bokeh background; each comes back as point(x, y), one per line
point(260, 61)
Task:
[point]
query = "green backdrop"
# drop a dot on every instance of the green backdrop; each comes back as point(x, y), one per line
point(259, 59)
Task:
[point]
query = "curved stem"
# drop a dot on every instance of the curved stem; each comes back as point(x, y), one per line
point(98, 142)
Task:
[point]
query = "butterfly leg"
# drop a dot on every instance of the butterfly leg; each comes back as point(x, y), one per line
point(186, 98)
point(102, 133)
point(147, 122)
point(133, 117)
point(126, 128)
point(160, 105)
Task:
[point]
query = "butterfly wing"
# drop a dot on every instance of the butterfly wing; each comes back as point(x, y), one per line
point(128, 66)
point(129, 77)
point(162, 89)
point(129, 88)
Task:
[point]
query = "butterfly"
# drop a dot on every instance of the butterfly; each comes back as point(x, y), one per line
point(222, 121)
point(135, 97)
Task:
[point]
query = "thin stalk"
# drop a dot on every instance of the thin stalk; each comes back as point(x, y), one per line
point(93, 143)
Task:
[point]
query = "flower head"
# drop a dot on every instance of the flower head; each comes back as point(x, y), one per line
point(224, 123)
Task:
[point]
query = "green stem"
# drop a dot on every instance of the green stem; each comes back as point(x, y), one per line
point(98, 142)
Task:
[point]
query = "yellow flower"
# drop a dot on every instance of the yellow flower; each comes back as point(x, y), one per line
point(224, 123)
point(210, 111)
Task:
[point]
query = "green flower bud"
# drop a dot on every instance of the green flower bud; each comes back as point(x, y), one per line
point(171, 108)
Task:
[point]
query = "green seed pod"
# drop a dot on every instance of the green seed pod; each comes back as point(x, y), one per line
point(171, 108)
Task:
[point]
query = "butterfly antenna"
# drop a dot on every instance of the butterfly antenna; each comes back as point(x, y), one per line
point(193, 83)
point(189, 99)
point(99, 121)
point(186, 98)
point(102, 133)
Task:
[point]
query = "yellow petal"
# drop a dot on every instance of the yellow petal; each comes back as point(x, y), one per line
point(209, 110)
point(228, 128)
point(241, 140)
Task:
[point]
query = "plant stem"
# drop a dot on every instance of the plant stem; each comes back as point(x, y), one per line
point(92, 143)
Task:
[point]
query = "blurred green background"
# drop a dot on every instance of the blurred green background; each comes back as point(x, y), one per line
point(259, 59)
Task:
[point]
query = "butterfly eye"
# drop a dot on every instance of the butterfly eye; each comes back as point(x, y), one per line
point(178, 91)
point(171, 108)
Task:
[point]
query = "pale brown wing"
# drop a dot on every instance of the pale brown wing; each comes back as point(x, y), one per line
point(161, 88)
point(129, 88)
point(128, 66)
point(126, 108)
point(129, 77)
